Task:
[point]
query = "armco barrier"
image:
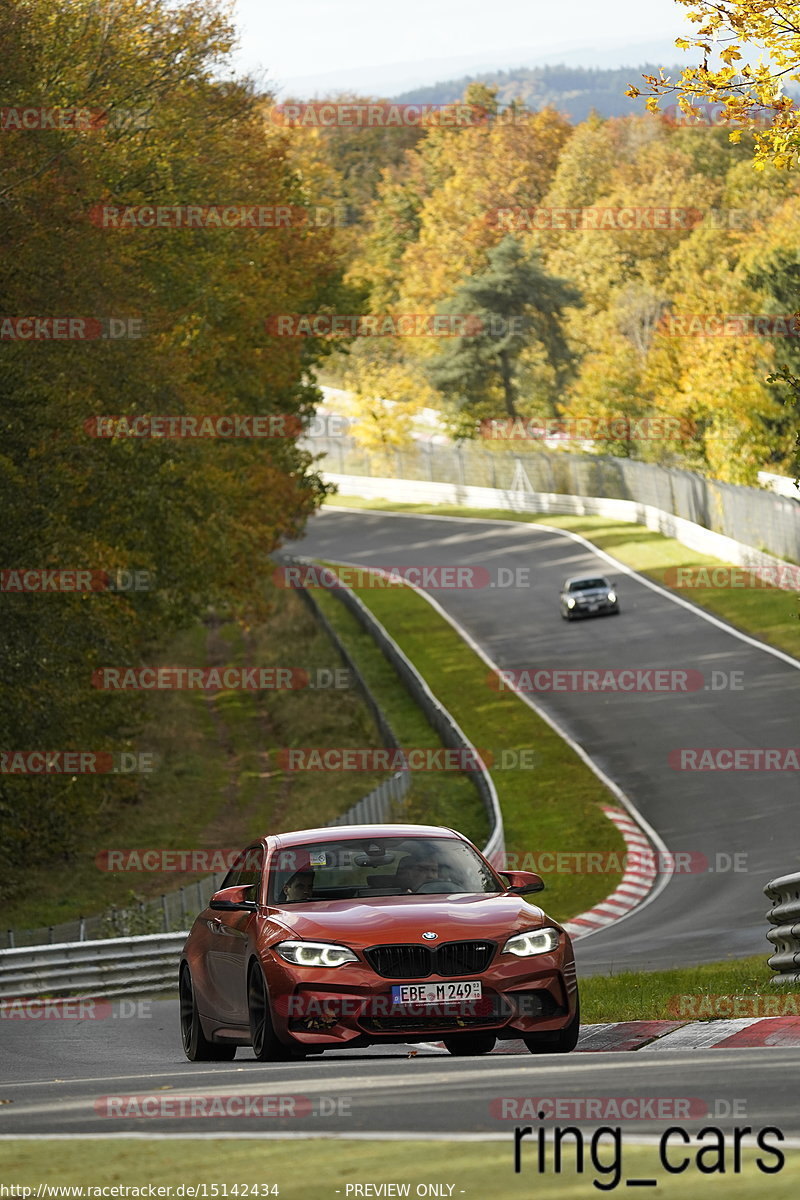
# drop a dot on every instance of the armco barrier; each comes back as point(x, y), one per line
point(149, 963)
point(784, 916)
point(114, 967)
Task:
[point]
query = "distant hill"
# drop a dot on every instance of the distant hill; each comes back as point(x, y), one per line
point(572, 90)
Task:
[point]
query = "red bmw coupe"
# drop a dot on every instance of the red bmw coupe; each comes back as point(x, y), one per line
point(362, 934)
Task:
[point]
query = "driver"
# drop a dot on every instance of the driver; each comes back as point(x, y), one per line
point(298, 887)
point(413, 872)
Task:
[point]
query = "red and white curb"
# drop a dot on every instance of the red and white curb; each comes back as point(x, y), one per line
point(646, 1036)
point(638, 880)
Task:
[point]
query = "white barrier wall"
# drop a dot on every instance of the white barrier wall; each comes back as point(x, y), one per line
point(695, 537)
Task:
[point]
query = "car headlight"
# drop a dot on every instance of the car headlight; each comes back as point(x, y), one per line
point(314, 954)
point(570, 603)
point(534, 941)
point(612, 597)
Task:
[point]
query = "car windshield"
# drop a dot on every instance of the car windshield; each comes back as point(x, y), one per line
point(386, 866)
point(585, 585)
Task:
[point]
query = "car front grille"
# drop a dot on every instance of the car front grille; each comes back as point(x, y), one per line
point(417, 962)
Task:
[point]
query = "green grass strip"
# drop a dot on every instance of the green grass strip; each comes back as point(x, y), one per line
point(322, 1170)
point(738, 988)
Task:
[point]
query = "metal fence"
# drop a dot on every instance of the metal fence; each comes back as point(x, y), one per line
point(751, 515)
point(784, 917)
point(116, 967)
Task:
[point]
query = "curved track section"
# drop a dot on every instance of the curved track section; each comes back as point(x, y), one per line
point(740, 828)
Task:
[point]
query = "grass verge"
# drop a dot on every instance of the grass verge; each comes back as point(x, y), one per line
point(320, 1170)
point(555, 804)
point(768, 613)
point(739, 988)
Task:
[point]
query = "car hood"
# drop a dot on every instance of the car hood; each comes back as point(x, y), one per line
point(590, 593)
point(391, 919)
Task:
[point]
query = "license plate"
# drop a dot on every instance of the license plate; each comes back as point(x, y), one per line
point(592, 608)
point(436, 993)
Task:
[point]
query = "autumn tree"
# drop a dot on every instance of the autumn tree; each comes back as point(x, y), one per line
point(199, 516)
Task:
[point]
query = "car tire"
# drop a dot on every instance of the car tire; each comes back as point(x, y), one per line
point(196, 1045)
point(264, 1040)
point(559, 1042)
point(462, 1044)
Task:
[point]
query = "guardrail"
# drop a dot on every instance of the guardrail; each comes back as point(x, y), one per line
point(148, 963)
point(114, 967)
point(784, 916)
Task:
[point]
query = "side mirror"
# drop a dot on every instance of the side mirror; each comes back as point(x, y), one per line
point(233, 899)
point(522, 882)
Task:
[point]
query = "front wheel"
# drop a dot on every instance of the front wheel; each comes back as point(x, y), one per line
point(266, 1046)
point(559, 1042)
point(196, 1045)
point(463, 1044)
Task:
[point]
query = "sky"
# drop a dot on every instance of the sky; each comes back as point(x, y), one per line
point(306, 47)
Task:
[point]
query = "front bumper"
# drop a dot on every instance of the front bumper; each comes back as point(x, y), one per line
point(601, 606)
point(352, 1004)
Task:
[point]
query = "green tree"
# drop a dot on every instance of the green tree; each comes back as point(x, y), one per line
point(517, 305)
